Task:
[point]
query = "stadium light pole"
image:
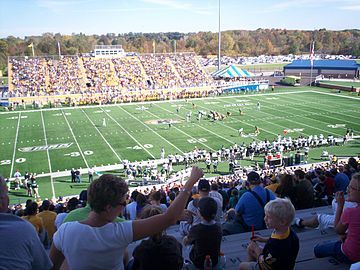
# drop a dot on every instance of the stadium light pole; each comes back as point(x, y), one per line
point(219, 40)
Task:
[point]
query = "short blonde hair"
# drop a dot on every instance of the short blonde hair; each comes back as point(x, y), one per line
point(282, 209)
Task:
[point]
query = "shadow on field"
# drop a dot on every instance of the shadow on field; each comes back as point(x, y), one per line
point(80, 185)
point(18, 193)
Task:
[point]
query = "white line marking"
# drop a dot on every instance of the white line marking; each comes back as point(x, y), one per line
point(112, 149)
point(48, 155)
point(239, 121)
point(335, 95)
point(154, 102)
point(81, 152)
point(183, 131)
point(179, 150)
point(327, 116)
point(14, 152)
point(147, 151)
point(297, 122)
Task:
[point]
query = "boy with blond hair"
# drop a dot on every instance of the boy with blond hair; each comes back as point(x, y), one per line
point(282, 247)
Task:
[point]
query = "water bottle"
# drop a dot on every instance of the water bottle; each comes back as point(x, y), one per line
point(207, 263)
point(222, 261)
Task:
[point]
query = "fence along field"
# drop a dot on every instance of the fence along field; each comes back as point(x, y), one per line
point(60, 139)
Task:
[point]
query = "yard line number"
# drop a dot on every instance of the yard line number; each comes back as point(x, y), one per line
point(199, 140)
point(8, 161)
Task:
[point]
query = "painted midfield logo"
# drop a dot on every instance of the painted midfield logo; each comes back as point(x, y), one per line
point(45, 147)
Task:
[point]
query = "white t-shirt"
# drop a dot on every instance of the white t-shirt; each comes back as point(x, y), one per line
point(86, 247)
point(59, 219)
point(131, 210)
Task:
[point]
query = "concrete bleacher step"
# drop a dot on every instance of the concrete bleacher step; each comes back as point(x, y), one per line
point(321, 264)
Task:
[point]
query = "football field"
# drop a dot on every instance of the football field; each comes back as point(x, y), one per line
point(58, 139)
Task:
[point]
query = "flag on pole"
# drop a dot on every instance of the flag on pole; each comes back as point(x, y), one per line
point(31, 45)
point(59, 50)
point(312, 53)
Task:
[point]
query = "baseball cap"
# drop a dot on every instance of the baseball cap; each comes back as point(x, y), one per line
point(253, 177)
point(204, 185)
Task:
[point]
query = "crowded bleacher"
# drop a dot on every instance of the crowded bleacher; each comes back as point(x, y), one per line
point(231, 212)
point(74, 75)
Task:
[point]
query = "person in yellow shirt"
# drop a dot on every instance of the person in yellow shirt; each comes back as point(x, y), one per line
point(48, 217)
point(274, 184)
point(30, 216)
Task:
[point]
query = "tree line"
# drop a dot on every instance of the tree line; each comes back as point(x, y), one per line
point(233, 43)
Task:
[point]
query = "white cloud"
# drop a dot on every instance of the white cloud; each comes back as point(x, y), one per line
point(181, 5)
point(351, 8)
point(170, 3)
point(60, 5)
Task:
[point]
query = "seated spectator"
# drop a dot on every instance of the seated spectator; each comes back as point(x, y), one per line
point(322, 221)
point(30, 216)
point(20, 245)
point(250, 208)
point(347, 225)
point(198, 236)
point(341, 180)
point(48, 217)
point(130, 209)
point(195, 218)
point(234, 198)
point(160, 251)
point(281, 249)
point(71, 205)
point(155, 198)
point(273, 184)
point(303, 191)
point(286, 188)
point(98, 242)
point(141, 202)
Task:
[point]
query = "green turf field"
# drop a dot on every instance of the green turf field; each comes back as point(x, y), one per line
point(257, 68)
point(78, 139)
point(341, 83)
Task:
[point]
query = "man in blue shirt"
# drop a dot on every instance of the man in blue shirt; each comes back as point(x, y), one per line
point(250, 207)
point(341, 180)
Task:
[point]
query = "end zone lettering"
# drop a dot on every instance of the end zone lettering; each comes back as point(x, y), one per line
point(45, 147)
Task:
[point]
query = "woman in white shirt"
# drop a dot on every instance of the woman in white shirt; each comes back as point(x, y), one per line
point(98, 242)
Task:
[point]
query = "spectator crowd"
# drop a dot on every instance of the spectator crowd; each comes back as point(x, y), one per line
point(83, 232)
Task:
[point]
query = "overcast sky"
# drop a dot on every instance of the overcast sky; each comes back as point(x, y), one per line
point(35, 17)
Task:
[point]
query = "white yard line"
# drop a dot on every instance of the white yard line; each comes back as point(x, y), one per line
point(132, 137)
point(335, 95)
point(48, 155)
point(112, 149)
point(15, 143)
point(302, 123)
point(178, 149)
point(154, 102)
point(72, 133)
point(342, 120)
point(242, 122)
point(186, 134)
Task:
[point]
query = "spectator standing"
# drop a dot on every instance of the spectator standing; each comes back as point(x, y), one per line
point(91, 172)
